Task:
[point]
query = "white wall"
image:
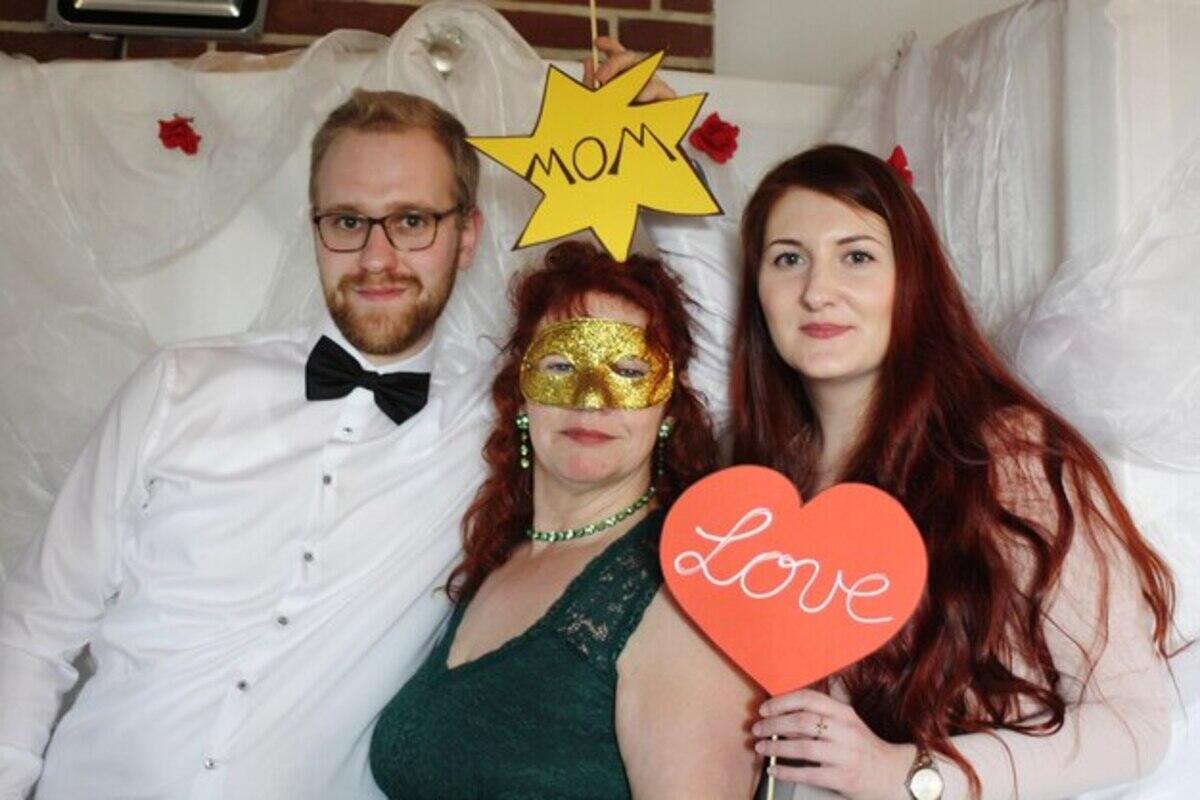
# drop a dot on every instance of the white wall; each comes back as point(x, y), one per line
point(828, 41)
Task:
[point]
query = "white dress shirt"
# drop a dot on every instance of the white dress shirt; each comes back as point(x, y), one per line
point(256, 575)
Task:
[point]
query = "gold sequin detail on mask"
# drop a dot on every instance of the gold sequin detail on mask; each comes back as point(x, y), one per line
point(593, 348)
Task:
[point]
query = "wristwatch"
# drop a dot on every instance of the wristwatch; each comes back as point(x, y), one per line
point(924, 782)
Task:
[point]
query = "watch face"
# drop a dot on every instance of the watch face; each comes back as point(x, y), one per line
point(926, 784)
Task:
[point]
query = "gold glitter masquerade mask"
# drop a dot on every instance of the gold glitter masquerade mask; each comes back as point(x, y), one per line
point(595, 363)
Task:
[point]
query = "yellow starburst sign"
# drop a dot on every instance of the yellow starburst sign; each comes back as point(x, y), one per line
point(598, 157)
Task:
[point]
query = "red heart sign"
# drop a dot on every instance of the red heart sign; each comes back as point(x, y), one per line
point(792, 594)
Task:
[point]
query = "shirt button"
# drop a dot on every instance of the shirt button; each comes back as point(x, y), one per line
point(210, 763)
point(242, 685)
point(282, 620)
point(309, 557)
point(326, 479)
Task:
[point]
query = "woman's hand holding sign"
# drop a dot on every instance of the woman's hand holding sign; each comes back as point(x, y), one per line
point(846, 756)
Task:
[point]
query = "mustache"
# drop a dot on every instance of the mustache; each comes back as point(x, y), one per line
point(377, 280)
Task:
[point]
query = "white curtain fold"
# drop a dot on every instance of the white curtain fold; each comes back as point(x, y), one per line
point(1114, 339)
point(977, 116)
point(67, 337)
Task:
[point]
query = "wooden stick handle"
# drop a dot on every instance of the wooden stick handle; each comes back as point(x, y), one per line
point(595, 33)
point(770, 777)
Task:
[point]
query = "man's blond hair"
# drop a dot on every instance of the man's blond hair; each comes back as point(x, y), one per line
point(396, 112)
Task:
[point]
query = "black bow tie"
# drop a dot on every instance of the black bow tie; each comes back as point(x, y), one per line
point(331, 372)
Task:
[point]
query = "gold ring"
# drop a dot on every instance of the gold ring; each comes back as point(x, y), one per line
point(821, 727)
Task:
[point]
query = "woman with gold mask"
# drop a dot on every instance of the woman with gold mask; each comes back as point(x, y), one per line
point(566, 671)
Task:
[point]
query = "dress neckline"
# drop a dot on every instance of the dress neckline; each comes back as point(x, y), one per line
point(553, 612)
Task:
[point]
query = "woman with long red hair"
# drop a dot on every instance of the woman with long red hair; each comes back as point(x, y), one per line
point(1035, 665)
point(566, 671)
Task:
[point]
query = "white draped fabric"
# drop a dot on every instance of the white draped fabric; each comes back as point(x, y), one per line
point(1057, 145)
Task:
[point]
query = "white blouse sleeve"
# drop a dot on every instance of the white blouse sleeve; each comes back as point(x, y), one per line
point(1117, 721)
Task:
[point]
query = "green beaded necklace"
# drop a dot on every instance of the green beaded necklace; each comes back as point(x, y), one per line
point(566, 534)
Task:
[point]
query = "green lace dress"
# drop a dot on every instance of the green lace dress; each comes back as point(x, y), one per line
point(535, 717)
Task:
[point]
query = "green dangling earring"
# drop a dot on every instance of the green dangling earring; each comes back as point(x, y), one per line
point(664, 433)
point(523, 433)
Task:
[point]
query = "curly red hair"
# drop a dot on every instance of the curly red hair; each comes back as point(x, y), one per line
point(503, 507)
point(945, 418)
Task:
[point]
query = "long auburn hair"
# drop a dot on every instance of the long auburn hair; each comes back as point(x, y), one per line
point(503, 506)
point(944, 417)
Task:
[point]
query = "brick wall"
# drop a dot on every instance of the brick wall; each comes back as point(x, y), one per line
point(557, 28)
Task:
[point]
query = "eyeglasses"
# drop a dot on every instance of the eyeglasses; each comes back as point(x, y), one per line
point(415, 229)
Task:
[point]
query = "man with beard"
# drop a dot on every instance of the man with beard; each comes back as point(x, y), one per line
point(251, 541)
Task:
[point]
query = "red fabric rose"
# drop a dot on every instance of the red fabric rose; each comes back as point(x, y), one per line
point(177, 133)
point(716, 138)
point(898, 161)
